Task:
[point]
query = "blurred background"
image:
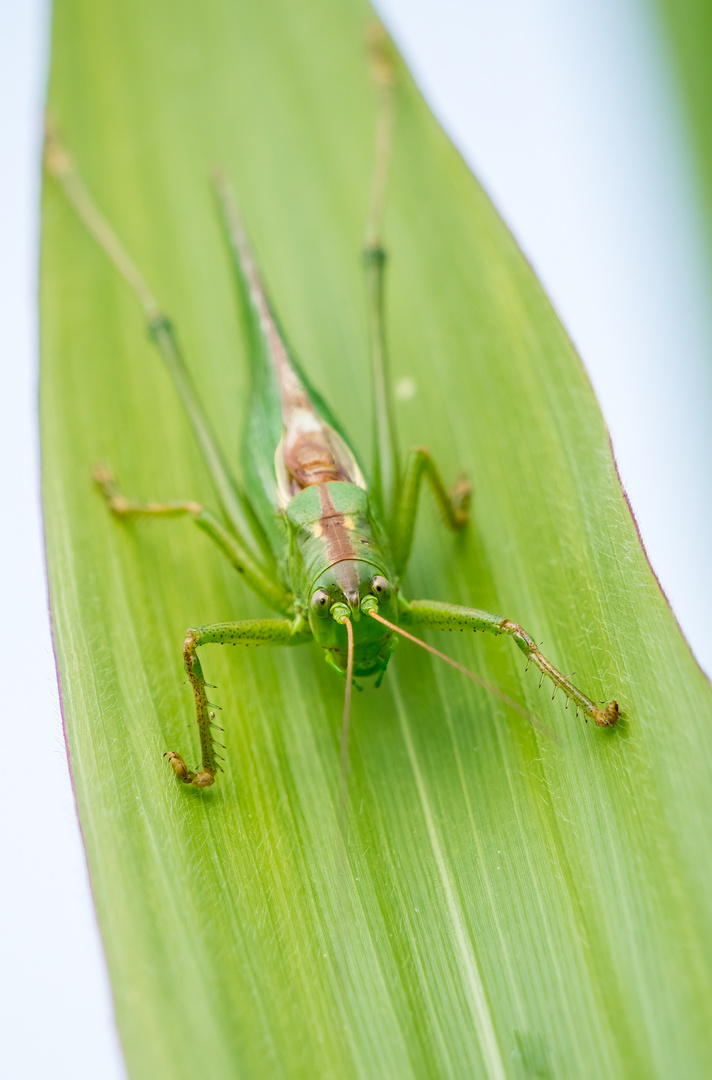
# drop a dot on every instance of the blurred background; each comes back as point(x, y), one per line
point(584, 124)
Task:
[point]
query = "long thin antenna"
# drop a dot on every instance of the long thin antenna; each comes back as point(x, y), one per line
point(344, 756)
point(454, 663)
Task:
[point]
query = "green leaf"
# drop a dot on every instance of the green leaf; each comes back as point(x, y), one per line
point(514, 901)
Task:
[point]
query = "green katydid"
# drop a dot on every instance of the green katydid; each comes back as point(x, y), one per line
point(317, 542)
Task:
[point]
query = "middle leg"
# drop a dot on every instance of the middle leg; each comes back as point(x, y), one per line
point(263, 582)
point(454, 503)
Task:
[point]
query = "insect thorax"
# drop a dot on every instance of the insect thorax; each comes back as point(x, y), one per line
point(330, 523)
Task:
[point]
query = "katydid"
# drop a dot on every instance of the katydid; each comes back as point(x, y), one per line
point(319, 542)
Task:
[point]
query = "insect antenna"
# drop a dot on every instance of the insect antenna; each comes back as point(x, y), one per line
point(460, 667)
point(344, 755)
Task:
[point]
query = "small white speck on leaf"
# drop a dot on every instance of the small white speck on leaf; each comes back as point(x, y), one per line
point(406, 388)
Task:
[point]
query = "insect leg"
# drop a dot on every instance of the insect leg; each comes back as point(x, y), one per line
point(235, 504)
point(262, 580)
point(434, 615)
point(454, 503)
point(246, 632)
point(386, 459)
point(123, 507)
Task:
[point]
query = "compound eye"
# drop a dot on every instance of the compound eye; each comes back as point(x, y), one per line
point(321, 602)
point(379, 586)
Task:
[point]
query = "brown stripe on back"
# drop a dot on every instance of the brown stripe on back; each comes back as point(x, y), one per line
point(339, 547)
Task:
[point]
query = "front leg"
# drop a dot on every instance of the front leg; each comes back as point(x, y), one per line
point(454, 503)
point(433, 615)
point(245, 632)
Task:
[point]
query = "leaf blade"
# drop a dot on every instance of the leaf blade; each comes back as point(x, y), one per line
point(467, 930)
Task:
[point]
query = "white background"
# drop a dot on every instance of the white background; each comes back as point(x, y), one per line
point(569, 113)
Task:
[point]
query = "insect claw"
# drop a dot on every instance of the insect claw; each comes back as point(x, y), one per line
point(541, 680)
point(179, 766)
point(213, 724)
point(214, 706)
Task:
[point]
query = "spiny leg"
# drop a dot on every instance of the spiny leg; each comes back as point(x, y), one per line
point(434, 615)
point(454, 503)
point(261, 580)
point(245, 632)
